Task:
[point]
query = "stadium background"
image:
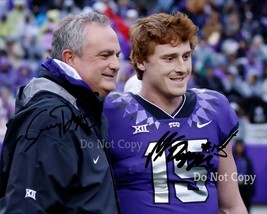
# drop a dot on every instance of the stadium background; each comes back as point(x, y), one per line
point(231, 56)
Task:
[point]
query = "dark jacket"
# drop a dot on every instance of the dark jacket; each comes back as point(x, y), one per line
point(53, 158)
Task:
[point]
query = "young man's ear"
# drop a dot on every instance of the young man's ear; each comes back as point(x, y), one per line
point(141, 66)
point(68, 57)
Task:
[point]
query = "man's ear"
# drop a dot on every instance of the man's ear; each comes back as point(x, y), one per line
point(68, 57)
point(141, 66)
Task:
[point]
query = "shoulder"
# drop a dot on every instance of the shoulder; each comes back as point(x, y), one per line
point(51, 103)
point(215, 98)
point(215, 106)
point(120, 105)
point(117, 99)
point(207, 93)
point(42, 109)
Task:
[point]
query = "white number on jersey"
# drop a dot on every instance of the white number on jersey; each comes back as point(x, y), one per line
point(159, 169)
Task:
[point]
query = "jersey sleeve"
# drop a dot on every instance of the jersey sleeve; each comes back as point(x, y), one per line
point(227, 120)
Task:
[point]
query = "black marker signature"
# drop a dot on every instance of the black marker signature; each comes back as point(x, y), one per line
point(58, 120)
point(183, 156)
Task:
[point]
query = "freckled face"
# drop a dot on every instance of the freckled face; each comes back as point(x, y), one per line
point(167, 71)
point(99, 64)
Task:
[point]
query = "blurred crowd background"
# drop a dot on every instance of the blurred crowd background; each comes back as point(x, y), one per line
point(231, 56)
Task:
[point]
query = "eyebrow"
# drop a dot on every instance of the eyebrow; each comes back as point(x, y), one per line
point(175, 54)
point(109, 52)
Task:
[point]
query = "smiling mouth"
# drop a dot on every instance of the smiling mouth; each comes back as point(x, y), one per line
point(108, 75)
point(180, 79)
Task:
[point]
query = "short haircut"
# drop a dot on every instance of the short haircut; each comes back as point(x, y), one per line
point(157, 29)
point(70, 33)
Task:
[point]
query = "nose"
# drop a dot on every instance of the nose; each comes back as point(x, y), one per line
point(180, 66)
point(115, 63)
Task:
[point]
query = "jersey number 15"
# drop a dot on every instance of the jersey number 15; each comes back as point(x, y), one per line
point(183, 193)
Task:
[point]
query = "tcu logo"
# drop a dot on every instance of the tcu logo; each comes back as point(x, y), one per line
point(141, 128)
point(174, 124)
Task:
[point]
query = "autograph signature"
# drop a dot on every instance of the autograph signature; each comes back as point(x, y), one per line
point(58, 117)
point(166, 142)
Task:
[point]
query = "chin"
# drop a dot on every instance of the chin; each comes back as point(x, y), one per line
point(109, 89)
point(105, 92)
point(180, 91)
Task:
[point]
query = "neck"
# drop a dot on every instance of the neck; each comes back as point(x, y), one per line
point(167, 104)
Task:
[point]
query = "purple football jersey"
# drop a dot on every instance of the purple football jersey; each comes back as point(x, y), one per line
point(168, 163)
